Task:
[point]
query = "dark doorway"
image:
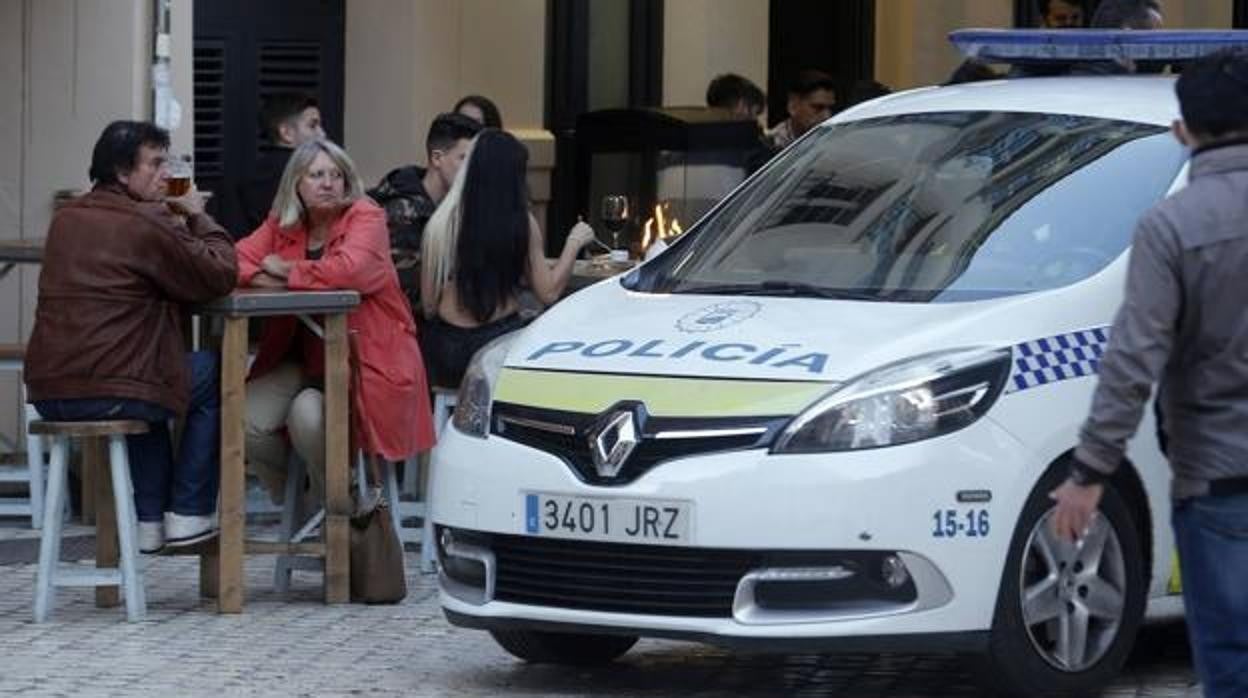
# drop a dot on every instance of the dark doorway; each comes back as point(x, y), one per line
point(835, 37)
point(1239, 14)
point(600, 54)
point(245, 50)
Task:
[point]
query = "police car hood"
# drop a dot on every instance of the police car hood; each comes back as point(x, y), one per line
point(608, 329)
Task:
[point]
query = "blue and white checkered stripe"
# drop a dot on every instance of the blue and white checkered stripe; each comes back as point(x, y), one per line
point(1061, 357)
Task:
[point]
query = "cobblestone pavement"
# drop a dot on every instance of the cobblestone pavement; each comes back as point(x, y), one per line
point(294, 646)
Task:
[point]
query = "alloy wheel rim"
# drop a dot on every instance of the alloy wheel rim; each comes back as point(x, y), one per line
point(1072, 594)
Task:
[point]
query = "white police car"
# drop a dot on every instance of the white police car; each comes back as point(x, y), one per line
point(830, 415)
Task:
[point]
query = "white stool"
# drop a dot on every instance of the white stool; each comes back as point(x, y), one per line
point(417, 470)
point(52, 573)
point(31, 471)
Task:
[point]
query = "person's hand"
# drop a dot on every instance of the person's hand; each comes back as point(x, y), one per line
point(276, 266)
point(266, 280)
point(1076, 506)
point(189, 204)
point(580, 235)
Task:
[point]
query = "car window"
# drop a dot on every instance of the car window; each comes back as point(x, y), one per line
point(934, 207)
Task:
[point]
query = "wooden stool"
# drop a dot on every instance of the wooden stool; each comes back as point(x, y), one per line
point(51, 573)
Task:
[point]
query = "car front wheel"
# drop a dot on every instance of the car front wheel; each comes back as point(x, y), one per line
point(563, 648)
point(1067, 613)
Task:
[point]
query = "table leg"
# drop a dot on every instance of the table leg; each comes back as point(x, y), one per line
point(229, 587)
point(337, 460)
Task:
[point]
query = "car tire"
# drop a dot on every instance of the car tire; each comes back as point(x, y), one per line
point(577, 649)
point(1026, 656)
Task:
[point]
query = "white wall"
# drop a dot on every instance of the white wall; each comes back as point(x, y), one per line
point(409, 60)
point(911, 37)
point(705, 38)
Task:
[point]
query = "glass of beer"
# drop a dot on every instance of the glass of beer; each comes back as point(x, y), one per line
point(181, 174)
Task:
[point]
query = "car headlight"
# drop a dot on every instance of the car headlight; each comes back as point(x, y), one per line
point(472, 406)
point(915, 399)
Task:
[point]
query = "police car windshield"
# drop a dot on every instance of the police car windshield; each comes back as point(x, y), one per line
point(935, 207)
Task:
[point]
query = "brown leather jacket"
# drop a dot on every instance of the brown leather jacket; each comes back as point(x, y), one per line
point(116, 272)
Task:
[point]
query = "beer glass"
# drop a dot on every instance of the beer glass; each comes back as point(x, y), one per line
point(181, 173)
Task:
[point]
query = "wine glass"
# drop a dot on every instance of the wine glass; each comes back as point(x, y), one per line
point(614, 216)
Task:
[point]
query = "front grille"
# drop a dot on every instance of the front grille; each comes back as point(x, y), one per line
point(567, 435)
point(619, 577)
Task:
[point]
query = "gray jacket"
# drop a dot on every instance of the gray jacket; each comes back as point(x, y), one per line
point(1183, 323)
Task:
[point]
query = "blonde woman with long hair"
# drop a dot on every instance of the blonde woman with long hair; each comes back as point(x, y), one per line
point(481, 248)
point(323, 233)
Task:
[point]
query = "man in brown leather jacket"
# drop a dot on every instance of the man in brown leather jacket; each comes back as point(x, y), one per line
point(119, 265)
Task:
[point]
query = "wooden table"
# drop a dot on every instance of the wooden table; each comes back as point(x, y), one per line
point(14, 252)
point(236, 308)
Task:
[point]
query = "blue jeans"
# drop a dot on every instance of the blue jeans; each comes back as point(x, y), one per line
point(1212, 537)
point(185, 486)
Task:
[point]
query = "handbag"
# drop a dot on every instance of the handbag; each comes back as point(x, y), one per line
point(377, 574)
point(376, 553)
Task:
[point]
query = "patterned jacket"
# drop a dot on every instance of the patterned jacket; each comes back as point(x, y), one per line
point(408, 208)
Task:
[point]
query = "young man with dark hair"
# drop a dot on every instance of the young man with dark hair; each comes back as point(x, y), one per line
point(811, 99)
point(1128, 14)
point(410, 194)
point(737, 95)
point(119, 264)
point(1183, 324)
point(1123, 14)
point(289, 119)
point(1060, 14)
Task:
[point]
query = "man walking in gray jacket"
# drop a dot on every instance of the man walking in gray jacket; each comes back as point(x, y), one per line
point(1184, 324)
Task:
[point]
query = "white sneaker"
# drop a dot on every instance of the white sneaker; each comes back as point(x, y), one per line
point(185, 529)
point(151, 537)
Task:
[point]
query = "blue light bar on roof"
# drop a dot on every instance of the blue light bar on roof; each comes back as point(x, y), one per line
point(1073, 45)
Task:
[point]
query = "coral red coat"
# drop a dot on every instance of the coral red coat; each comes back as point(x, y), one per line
point(356, 256)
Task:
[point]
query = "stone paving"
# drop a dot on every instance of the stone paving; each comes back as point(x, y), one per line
point(292, 645)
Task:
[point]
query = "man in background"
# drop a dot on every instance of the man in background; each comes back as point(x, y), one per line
point(1138, 15)
point(811, 99)
point(1060, 14)
point(289, 119)
point(736, 94)
point(1128, 14)
point(410, 194)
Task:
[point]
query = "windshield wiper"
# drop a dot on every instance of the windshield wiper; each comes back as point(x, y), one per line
point(785, 288)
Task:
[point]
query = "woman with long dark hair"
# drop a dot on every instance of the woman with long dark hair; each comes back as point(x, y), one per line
point(481, 248)
point(480, 109)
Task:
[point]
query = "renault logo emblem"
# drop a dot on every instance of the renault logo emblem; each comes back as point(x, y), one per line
point(614, 441)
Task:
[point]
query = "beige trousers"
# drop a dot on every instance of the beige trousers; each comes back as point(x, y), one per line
point(284, 398)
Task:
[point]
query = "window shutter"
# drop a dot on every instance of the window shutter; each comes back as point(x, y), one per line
point(210, 100)
point(288, 66)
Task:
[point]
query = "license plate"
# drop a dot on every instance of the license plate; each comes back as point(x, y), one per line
point(661, 521)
